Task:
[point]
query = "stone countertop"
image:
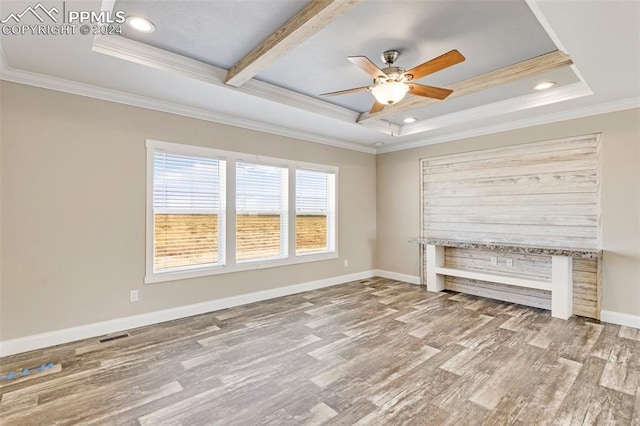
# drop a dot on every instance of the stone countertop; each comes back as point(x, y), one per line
point(513, 248)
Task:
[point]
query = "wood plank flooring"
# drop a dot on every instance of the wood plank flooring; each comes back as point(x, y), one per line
point(374, 352)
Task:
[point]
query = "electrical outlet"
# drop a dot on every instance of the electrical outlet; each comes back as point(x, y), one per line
point(133, 296)
point(346, 263)
point(494, 260)
point(510, 263)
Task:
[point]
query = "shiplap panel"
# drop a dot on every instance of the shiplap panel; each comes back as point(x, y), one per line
point(586, 287)
point(513, 210)
point(524, 296)
point(585, 265)
point(505, 182)
point(531, 164)
point(544, 193)
point(541, 194)
point(524, 265)
point(542, 183)
point(519, 159)
point(515, 189)
point(496, 171)
point(572, 143)
point(511, 200)
point(549, 219)
point(525, 229)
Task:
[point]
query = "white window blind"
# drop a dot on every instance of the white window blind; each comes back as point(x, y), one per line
point(315, 212)
point(192, 189)
point(188, 211)
point(261, 212)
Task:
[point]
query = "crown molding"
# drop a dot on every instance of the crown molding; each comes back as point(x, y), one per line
point(604, 108)
point(81, 89)
point(531, 100)
point(144, 54)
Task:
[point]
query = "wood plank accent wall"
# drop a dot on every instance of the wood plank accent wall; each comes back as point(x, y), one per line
point(542, 194)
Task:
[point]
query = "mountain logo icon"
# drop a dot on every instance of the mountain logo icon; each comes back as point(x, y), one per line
point(39, 11)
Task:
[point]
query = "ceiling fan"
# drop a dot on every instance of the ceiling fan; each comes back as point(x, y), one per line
point(392, 83)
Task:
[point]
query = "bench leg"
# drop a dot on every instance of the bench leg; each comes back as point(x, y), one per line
point(561, 286)
point(435, 258)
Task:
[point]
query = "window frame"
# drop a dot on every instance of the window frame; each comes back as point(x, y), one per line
point(284, 213)
point(230, 264)
point(332, 214)
point(221, 213)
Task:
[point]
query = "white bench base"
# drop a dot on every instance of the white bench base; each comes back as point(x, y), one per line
point(561, 284)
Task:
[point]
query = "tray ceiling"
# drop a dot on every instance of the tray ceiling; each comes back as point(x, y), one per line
point(184, 62)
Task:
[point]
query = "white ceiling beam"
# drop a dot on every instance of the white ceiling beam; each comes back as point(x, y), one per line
point(511, 73)
point(311, 19)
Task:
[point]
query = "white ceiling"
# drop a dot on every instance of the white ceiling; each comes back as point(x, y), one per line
point(181, 67)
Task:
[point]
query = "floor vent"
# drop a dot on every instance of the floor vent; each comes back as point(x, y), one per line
point(364, 281)
point(112, 338)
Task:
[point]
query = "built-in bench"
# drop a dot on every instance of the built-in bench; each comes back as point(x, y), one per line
point(560, 285)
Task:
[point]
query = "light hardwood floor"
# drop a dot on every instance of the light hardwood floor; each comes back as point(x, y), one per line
point(376, 352)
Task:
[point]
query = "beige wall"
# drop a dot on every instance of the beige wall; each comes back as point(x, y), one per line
point(72, 192)
point(398, 199)
point(73, 217)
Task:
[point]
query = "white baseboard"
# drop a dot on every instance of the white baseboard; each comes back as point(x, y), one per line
point(620, 318)
point(412, 279)
point(43, 340)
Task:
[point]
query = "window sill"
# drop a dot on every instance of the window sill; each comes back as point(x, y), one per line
point(245, 266)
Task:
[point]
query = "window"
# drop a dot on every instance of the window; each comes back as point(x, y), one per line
point(261, 211)
point(188, 211)
point(211, 212)
point(315, 212)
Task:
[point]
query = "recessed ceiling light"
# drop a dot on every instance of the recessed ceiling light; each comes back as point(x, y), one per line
point(410, 120)
point(378, 143)
point(544, 85)
point(141, 24)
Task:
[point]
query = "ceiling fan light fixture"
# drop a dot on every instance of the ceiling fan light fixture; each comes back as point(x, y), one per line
point(141, 24)
point(390, 92)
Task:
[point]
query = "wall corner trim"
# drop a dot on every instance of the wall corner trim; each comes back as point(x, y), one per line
point(57, 337)
point(620, 318)
point(411, 279)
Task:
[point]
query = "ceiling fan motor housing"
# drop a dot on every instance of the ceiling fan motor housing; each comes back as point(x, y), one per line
point(392, 73)
point(390, 56)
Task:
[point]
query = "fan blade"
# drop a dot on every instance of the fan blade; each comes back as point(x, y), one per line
point(345, 92)
point(376, 107)
point(436, 64)
point(367, 66)
point(429, 91)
